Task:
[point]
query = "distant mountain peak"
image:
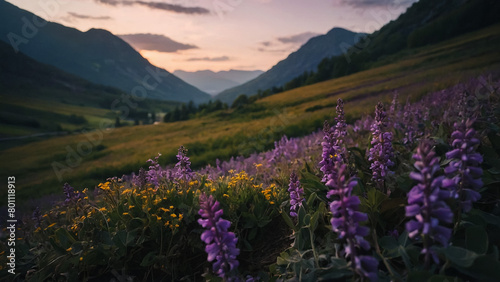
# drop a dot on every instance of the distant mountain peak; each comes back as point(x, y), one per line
point(215, 82)
point(96, 55)
point(306, 58)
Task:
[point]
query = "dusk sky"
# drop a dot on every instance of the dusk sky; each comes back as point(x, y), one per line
point(217, 34)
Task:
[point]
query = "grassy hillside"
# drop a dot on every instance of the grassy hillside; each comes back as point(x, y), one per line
point(38, 99)
point(224, 134)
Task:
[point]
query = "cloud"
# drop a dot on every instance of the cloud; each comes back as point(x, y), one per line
point(79, 16)
point(273, 50)
point(158, 6)
point(298, 38)
point(286, 43)
point(213, 59)
point(266, 43)
point(376, 3)
point(155, 42)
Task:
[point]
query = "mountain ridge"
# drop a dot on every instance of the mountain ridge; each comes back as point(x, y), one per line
point(214, 82)
point(96, 55)
point(306, 58)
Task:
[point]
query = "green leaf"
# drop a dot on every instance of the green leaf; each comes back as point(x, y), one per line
point(301, 216)
point(476, 239)
point(311, 199)
point(404, 255)
point(314, 221)
point(252, 234)
point(390, 246)
point(375, 199)
point(460, 256)
point(307, 220)
point(289, 221)
point(136, 223)
point(124, 238)
point(65, 239)
point(149, 259)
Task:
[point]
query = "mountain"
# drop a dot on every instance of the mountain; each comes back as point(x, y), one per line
point(425, 22)
point(37, 98)
point(306, 58)
point(215, 82)
point(96, 55)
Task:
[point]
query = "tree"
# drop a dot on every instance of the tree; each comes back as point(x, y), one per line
point(240, 102)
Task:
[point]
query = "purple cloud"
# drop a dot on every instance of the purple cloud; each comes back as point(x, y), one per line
point(155, 42)
point(213, 59)
point(297, 38)
point(158, 6)
point(376, 3)
point(85, 17)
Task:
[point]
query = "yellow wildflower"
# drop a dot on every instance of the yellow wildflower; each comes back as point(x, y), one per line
point(69, 249)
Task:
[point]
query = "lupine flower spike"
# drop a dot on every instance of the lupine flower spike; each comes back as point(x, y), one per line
point(345, 222)
point(184, 171)
point(221, 244)
point(71, 195)
point(333, 151)
point(296, 194)
point(426, 203)
point(153, 174)
point(382, 153)
point(465, 168)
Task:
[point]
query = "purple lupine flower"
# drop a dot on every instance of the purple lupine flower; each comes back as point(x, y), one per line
point(183, 166)
point(345, 222)
point(465, 168)
point(333, 149)
point(341, 125)
point(71, 195)
point(329, 156)
point(382, 153)
point(153, 174)
point(296, 194)
point(221, 244)
point(68, 191)
point(140, 179)
point(426, 202)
